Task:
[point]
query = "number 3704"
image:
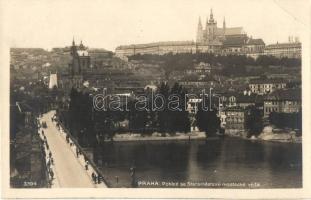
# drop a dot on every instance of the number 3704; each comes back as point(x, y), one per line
point(30, 183)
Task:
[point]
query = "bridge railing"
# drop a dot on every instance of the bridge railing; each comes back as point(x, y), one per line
point(91, 162)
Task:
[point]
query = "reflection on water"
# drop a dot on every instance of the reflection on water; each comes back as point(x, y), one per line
point(232, 160)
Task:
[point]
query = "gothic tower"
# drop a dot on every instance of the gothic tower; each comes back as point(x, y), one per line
point(200, 32)
point(224, 27)
point(211, 27)
point(74, 65)
point(80, 62)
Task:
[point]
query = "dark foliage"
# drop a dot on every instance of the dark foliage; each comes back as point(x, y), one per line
point(253, 121)
point(286, 120)
point(208, 121)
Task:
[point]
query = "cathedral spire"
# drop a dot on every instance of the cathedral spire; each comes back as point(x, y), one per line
point(224, 26)
point(211, 15)
point(224, 23)
point(73, 41)
point(199, 31)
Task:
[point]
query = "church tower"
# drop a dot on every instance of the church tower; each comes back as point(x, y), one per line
point(211, 28)
point(79, 64)
point(224, 27)
point(200, 32)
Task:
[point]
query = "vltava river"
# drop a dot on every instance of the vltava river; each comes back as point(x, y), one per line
point(229, 162)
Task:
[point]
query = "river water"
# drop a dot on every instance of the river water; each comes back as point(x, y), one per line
point(219, 163)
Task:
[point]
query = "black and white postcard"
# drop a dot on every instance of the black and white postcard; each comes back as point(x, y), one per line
point(155, 99)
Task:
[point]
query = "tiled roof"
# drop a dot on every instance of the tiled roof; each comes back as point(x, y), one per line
point(234, 41)
point(255, 42)
point(231, 31)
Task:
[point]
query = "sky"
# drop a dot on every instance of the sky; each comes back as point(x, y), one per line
point(110, 23)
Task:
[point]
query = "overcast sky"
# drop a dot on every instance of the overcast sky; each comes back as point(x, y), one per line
point(110, 23)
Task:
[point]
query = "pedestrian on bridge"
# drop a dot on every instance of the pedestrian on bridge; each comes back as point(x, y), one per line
point(52, 174)
point(94, 177)
point(99, 178)
point(48, 164)
point(117, 179)
point(86, 165)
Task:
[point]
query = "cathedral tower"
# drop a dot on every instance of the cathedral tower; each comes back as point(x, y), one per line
point(200, 32)
point(79, 64)
point(211, 28)
point(224, 27)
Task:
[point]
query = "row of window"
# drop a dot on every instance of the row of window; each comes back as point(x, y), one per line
point(268, 110)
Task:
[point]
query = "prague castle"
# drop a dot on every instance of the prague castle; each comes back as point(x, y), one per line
point(213, 39)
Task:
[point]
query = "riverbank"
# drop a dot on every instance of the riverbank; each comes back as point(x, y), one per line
point(157, 137)
point(269, 134)
point(280, 137)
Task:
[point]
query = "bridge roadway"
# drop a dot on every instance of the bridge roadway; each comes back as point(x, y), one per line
point(69, 171)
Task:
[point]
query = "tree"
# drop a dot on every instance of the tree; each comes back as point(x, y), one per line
point(137, 119)
point(169, 119)
point(180, 121)
point(208, 121)
point(163, 115)
point(286, 120)
point(253, 122)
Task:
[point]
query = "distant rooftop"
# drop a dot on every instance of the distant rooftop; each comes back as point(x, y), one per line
point(284, 45)
point(287, 94)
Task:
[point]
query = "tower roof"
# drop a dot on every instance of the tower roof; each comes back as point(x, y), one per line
point(211, 16)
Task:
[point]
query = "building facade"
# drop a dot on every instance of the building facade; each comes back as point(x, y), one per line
point(235, 121)
point(265, 86)
point(292, 49)
point(284, 101)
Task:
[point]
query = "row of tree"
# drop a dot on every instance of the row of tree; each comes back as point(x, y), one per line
point(87, 124)
point(286, 120)
point(184, 60)
point(231, 64)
